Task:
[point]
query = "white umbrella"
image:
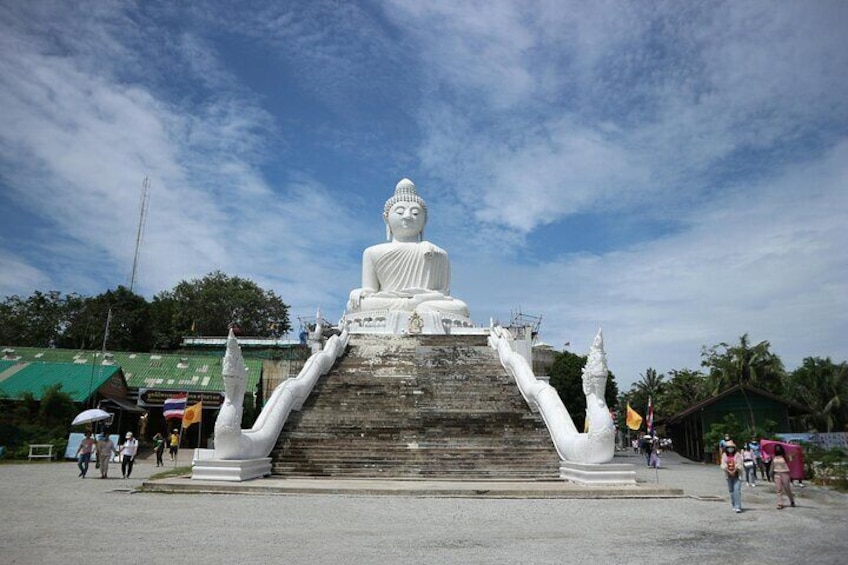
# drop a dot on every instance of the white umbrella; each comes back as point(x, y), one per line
point(93, 415)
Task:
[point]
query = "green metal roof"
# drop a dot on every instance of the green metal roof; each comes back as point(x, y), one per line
point(180, 372)
point(164, 371)
point(78, 381)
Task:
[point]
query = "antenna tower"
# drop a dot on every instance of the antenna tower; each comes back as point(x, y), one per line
point(142, 218)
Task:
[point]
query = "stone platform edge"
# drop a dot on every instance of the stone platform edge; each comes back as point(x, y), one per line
point(414, 488)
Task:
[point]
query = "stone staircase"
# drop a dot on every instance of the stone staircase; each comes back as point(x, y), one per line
point(416, 407)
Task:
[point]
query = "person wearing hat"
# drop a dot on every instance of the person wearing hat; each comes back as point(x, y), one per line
point(128, 451)
point(732, 465)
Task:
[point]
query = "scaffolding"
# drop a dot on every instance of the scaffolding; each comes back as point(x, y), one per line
point(520, 323)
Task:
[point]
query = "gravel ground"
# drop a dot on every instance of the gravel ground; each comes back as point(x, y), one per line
point(51, 516)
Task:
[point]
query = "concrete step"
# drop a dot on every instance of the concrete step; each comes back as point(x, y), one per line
point(447, 397)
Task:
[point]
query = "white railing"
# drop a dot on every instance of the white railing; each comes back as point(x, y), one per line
point(595, 446)
point(231, 442)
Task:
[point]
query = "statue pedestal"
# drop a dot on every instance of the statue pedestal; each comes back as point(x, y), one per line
point(398, 322)
point(609, 474)
point(205, 468)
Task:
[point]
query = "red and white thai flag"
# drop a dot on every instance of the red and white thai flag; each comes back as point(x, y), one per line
point(650, 417)
point(174, 407)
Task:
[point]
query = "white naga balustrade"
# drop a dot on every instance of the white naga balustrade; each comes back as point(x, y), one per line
point(231, 442)
point(593, 447)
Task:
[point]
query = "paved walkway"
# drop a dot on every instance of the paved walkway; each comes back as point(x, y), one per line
point(50, 516)
point(676, 477)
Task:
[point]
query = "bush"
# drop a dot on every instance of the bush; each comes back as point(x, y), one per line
point(27, 421)
point(828, 467)
point(738, 433)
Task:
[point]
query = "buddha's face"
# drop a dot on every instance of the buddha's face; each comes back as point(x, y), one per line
point(406, 220)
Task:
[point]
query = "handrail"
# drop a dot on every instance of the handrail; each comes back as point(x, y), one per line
point(231, 442)
point(598, 444)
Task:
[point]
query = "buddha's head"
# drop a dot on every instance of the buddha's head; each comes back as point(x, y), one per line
point(405, 213)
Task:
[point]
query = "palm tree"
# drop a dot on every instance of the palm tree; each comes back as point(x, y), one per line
point(822, 385)
point(651, 384)
point(742, 364)
point(685, 388)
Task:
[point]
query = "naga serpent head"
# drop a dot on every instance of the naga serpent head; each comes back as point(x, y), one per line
point(234, 371)
point(595, 371)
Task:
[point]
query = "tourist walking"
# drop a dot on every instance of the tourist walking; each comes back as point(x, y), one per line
point(750, 466)
point(731, 464)
point(174, 444)
point(654, 461)
point(128, 451)
point(86, 447)
point(721, 444)
point(105, 451)
point(767, 464)
point(754, 446)
point(782, 480)
point(649, 448)
point(159, 448)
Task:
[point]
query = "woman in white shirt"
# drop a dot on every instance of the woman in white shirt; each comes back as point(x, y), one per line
point(128, 451)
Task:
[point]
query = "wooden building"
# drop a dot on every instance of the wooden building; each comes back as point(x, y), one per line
point(687, 429)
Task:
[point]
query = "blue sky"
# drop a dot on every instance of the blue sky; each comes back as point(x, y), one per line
point(674, 173)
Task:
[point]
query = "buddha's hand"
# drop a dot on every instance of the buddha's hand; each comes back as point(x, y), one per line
point(356, 296)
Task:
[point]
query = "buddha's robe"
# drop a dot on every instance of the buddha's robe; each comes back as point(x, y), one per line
point(406, 276)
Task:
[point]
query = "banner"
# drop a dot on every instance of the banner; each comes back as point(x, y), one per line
point(193, 415)
point(634, 420)
point(174, 407)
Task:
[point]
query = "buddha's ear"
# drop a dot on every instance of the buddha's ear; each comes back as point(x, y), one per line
point(388, 232)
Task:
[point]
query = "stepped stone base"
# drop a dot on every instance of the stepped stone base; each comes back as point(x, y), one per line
point(416, 407)
point(608, 474)
point(230, 470)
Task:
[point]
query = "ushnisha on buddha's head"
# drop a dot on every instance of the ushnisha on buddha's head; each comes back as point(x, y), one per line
point(405, 213)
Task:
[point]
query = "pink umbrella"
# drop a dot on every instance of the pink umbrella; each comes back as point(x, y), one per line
point(794, 456)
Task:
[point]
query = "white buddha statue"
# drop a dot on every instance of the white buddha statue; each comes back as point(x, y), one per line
point(407, 274)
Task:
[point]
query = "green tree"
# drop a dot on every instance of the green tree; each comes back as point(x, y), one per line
point(822, 386)
point(567, 379)
point(39, 320)
point(743, 364)
point(163, 311)
point(684, 388)
point(130, 327)
point(56, 409)
point(651, 385)
point(209, 306)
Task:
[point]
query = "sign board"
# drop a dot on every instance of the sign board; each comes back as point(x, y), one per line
point(157, 397)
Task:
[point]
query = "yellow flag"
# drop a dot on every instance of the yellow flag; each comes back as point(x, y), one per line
point(192, 414)
point(634, 420)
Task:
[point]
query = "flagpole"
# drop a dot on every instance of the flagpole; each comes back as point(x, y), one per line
point(180, 439)
point(200, 425)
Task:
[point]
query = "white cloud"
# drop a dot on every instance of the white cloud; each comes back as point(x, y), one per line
point(769, 261)
point(78, 144)
point(727, 120)
point(575, 107)
point(18, 274)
